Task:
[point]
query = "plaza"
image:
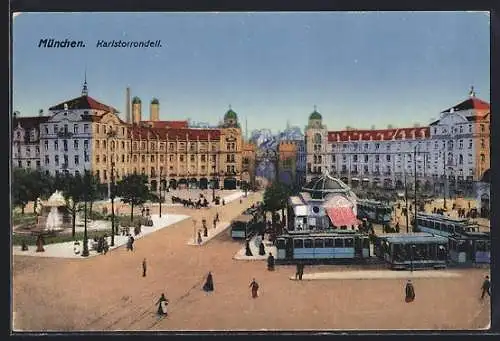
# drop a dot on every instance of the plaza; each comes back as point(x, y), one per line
point(71, 295)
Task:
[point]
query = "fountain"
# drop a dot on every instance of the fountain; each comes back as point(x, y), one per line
point(55, 205)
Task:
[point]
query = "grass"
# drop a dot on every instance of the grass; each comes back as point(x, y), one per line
point(26, 219)
point(60, 238)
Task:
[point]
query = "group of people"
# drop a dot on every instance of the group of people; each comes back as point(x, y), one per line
point(201, 202)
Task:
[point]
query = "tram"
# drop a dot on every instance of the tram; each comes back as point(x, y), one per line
point(442, 225)
point(374, 211)
point(470, 247)
point(412, 251)
point(246, 225)
point(340, 244)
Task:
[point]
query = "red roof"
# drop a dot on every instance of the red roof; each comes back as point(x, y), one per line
point(84, 102)
point(167, 124)
point(143, 132)
point(471, 103)
point(342, 216)
point(378, 135)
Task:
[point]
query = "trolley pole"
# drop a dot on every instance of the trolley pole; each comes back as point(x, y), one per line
point(161, 171)
point(415, 184)
point(406, 202)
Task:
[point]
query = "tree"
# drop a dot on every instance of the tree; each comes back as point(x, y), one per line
point(134, 190)
point(92, 188)
point(275, 198)
point(74, 190)
point(40, 186)
point(20, 188)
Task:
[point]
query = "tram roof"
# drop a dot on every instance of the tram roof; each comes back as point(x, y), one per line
point(333, 234)
point(244, 218)
point(471, 235)
point(441, 217)
point(420, 237)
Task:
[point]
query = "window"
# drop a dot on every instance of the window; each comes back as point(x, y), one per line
point(460, 159)
point(318, 243)
point(461, 144)
point(171, 158)
point(152, 158)
point(75, 128)
point(65, 159)
point(366, 158)
point(181, 158)
point(86, 157)
point(19, 164)
point(298, 244)
point(56, 128)
point(482, 157)
point(317, 138)
point(77, 160)
point(482, 128)
point(105, 174)
point(46, 145)
point(47, 161)
point(203, 158)
point(192, 158)
point(388, 158)
point(66, 128)
point(97, 159)
point(86, 144)
point(56, 145)
point(85, 128)
point(349, 242)
point(65, 145)
point(56, 160)
point(75, 143)
point(482, 144)
point(308, 243)
point(339, 242)
point(329, 242)
point(377, 146)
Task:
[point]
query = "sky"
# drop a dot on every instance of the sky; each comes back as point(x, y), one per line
point(360, 69)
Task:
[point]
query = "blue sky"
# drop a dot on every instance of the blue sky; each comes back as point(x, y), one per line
point(360, 69)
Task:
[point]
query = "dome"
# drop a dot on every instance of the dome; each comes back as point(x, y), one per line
point(136, 100)
point(486, 176)
point(230, 114)
point(155, 101)
point(315, 115)
point(321, 186)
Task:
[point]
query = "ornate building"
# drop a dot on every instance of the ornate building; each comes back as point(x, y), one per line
point(26, 141)
point(449, 155)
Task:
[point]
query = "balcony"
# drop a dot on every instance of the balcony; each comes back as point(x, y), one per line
point(65, 166)
point(64, 134)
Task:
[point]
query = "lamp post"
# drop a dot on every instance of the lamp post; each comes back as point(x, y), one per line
point(109, 135)
point(85, 252)
point(415, 175)
point(444, 180)
point(412, 253)
point(112, 204)
point(161, 174)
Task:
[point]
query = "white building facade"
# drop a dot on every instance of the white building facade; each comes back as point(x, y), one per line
point(450, 155)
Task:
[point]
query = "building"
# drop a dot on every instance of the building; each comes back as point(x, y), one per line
point(483, 195)
point(447, 156)
point(287, 162)
point(84, 134)
point(26, 141)
point(248, 163)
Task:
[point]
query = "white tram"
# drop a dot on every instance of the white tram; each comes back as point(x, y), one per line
point(443, 225)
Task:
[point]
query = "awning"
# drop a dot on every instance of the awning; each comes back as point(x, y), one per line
point(342, 216)
point(354, 179)
point(366, 179)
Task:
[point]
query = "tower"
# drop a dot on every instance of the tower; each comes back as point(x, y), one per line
point(128, 119)
point(85, 90)
point(136, 110)
point(154, 110)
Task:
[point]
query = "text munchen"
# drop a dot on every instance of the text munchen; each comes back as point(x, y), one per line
point(66, 43)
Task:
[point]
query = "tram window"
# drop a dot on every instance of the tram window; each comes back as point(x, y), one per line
point(366, 243)
point(318, 243)
point(461, 246)
point(453, 244)
point(442, 227)
point(420, 222)
point(298, 244)
point(451, 228)
point(339, 242)
point(280, 243)
point(308, 243)
point(329, 242)
point(348, 242)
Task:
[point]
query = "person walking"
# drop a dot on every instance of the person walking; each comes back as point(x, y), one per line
point(410, 292)
point(209, 283)
point(162, 305)
point(486, 287)
point(199, 238)
point(255, 288)
point(270, 262)
point(300, 271)
point(144, 267)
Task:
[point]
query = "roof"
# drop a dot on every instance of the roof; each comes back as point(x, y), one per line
point(325, 183)
point(136, 100)
point(379, 135)
point(315, 115)
point(167, 124)
point(468, 104)
point(155, 101)
point(28, 123)
point(245, 218)
point(420, 237)
point(230, 114)
point(84, 102)
point(142, 132)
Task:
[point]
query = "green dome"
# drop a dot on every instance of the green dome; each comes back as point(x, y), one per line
point(155, 101)
point(136, 100)
point(230, 114)
point(315, 115)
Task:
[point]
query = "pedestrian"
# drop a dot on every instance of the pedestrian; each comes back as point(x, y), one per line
point(205, 231)
point(255, 288)
point(162, 305)
point(215, 224)
point(410, 292)
point(300, 271)
point(270, 262)
point(199, 238)
point(217, 216)
point(144, 267)
point(143, 211)
point(209, 283)
point(486, 287)
point(262, 249)
point(248, 251)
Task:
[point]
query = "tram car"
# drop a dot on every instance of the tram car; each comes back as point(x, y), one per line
point(412, 250)
point(341, 244)
point(374, 211)
point(443, 225)
point(246, 225)
point(470, 247)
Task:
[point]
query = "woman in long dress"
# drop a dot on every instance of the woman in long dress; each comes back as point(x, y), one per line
point(410, 292)
point(209, 283)
point(162, 305)
point(255, 288)
point(270, 262)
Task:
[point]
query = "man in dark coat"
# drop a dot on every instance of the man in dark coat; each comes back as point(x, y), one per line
point(255, 288)
point(300, 271)
point(270, 262)
point(144, 267)
point(486, 287)
point(410, 292)
point(248, 251)
point(262, 249)
point(209, 284)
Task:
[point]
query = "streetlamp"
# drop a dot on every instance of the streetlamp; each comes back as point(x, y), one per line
point(444, 180)
point(85, 252)
point(161, 174)
point(412, 252)
point(112, 195)
point(110, 134)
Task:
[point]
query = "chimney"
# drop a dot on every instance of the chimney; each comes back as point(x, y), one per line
point(128, 119)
